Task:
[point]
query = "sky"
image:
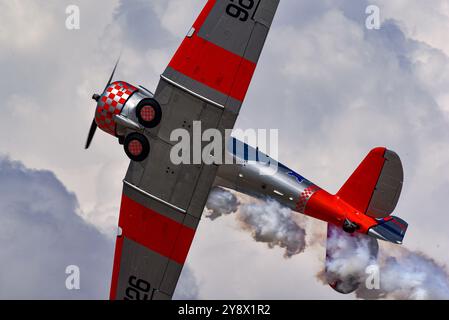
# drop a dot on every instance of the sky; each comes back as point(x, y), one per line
point(333, 88)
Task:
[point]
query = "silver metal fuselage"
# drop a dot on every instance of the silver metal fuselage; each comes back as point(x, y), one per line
point(257, 175)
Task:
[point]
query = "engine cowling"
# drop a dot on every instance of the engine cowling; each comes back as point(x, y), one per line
point(111, 103)
point(125, 111)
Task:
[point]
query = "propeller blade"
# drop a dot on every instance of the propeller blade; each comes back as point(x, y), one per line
point(92, 130)
point(112, 75)
point(96, 97)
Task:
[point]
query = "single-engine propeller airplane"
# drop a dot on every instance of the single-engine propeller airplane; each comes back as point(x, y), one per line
point(162, 204)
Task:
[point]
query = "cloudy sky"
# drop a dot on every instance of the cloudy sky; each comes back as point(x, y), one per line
point(334, 88)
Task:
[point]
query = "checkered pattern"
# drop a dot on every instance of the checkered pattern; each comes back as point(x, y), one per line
point(304, 198)
point(135, 148)
point(148, 113)
point(111, 103)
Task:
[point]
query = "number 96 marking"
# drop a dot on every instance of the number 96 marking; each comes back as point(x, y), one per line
point(138, 289)
point(241, 9)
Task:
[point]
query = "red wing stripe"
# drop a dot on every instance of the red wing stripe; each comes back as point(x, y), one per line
point(116, 267)
point(214, 66)
point(242, 79)
point(182, 245)
point(154, 231)
point(204, 14)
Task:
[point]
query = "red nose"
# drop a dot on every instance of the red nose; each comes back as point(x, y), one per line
point(111, 103)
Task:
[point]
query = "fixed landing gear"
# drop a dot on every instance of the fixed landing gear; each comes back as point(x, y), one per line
point(149, 113)
point(349, 226)
point(136, 147)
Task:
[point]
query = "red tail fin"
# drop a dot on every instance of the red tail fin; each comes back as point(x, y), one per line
point(375, 186)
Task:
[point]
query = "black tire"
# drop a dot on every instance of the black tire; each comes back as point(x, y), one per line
point(138, 142)
point(152, 121)
point(350, 227)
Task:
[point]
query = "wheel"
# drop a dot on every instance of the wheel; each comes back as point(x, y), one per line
point(137, 147)
point(149, 113)
point(349, 226)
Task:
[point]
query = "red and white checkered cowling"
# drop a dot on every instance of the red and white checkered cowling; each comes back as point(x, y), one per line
point(111, 103)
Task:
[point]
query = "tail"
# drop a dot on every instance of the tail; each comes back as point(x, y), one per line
point(374, 189)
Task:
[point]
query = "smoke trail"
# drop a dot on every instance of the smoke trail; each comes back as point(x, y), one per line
point(221, 202)
point(267, 221)
point(347, 258)
point(273, 224)
point(404, 274)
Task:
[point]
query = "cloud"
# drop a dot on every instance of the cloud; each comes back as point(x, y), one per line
point(187, 288)
point(31, 30)
point(42, 234)
point(420, 22)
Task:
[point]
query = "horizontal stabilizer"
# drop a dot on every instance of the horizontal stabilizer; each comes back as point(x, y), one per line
point(390, 229)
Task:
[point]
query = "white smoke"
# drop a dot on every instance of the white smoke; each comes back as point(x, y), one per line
point(221, 202)
point(348, 257)
point(267, 221)
point(271, 223)
point(404, 274)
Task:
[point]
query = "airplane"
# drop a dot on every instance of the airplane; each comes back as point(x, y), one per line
point(207, 80)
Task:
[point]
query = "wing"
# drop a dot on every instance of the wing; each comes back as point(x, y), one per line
point(162, 203)
point(218, 57)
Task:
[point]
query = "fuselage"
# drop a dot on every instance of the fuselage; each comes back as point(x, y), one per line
point(258, 175)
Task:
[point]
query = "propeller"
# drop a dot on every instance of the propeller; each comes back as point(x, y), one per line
point(96, 97)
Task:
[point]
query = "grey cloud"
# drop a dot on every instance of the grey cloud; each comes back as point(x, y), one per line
point(187, 288)
point(42, 234)
point(142, 25)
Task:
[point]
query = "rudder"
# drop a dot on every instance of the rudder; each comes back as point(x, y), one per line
point(375, 186)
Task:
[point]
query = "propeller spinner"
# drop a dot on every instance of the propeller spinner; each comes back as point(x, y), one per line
point(96, 97)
